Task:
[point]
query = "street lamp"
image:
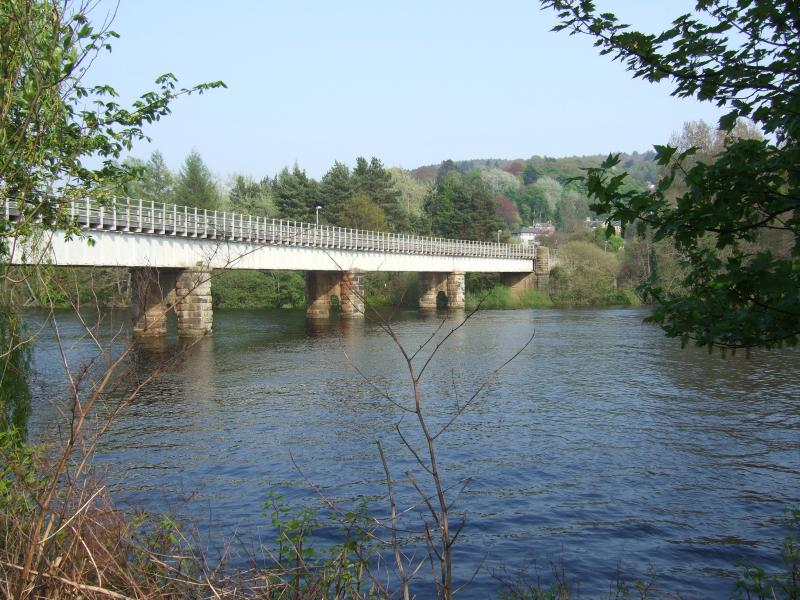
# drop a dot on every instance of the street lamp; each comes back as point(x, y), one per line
point(318, 215)
point(499, 231)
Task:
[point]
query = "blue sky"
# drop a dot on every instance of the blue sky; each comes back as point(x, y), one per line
point(412, 82)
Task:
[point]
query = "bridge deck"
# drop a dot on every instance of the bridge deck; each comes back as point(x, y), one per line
point(173, 220)
point(138, 233)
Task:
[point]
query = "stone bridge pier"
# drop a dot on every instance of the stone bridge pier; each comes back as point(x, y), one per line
point(322, 286)
point(155, 292)
point(449, 284)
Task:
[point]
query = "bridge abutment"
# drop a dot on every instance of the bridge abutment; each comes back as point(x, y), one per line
point(542, 267)
point(152, 297)
point(193, 302)
point(518, 283)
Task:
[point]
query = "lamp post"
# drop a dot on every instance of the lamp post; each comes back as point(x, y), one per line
point(499, 231)
point(318, 215)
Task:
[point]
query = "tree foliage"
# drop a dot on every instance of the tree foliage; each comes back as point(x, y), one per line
point(296, 194)
point(461, 207)
point(51, 123)
point(743, 56)
point(252, 197)
point(52, 128)
point(195, 185)
point(153, 181)
point(359, 212)
point(335, 190)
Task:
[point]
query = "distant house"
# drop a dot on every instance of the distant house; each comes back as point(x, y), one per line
point(528, 236)
point(595, 223)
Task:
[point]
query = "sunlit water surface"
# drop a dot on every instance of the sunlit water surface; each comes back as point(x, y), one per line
point(604, 448)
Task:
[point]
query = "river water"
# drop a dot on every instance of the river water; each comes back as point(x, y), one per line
point(604, 448)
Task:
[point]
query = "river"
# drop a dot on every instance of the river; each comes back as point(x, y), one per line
point(604, 448)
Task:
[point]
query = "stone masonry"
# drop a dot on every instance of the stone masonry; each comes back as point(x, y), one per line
point(542, 267)
point(430, 284)
point(352, 294)
point(152, 297)
point(320, 287)
point(193, 302)
point(455, 290)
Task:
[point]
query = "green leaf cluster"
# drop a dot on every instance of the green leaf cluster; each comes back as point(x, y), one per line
point(734, 216)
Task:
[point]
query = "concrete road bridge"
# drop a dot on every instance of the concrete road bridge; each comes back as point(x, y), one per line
point(172, 251)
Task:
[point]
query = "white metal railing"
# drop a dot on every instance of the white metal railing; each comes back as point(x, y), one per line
point(157, 218)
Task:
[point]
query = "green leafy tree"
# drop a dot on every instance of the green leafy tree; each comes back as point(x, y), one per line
point(252, 197)
point(51, 123)
point(744, 57)
point(195, 185)
point(461, 206)
point(572, 211)
point(545, 198)
point(53, 127)
point(500, 182)
point(530, 174)
point(446, 167)
point(296, 195)
point(412, 191)
point(362, 213)
point(153, 180)
point(376, 184)
point(335, 190)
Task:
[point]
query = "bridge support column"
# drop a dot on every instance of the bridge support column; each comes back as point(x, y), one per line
point(455, 290)
point(320, 286)
point(152, 297)
point(542, 267)
point(193, 302)
point(430, 284)
point(352, 294)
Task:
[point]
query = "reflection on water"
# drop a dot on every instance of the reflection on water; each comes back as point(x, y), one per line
point(603, 446)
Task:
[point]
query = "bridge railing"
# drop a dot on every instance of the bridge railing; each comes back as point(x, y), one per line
point(157, 218)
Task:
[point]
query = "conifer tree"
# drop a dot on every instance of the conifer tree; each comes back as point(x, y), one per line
point(195, 185)
point(335, 190)
point(296, 195)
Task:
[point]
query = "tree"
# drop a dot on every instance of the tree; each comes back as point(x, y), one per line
point(195, 185)
point(296, 196)
point(545, 198)
point(359, 212)
point(412, 191)
point(462, 207)
point(153, 182)
point(52, 128)
point(507, 211)
point(335, 190)
point(530, 175)
point(251, 197)
point(446, 167)
point(744, 57)
point(375, 183)
point(51, 123)
point(500, 182)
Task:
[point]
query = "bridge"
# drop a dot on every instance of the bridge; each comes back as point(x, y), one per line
point(173, 249)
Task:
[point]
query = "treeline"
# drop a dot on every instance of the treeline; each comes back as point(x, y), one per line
point(466, 199)
point(480, 199)
point(470, 199)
